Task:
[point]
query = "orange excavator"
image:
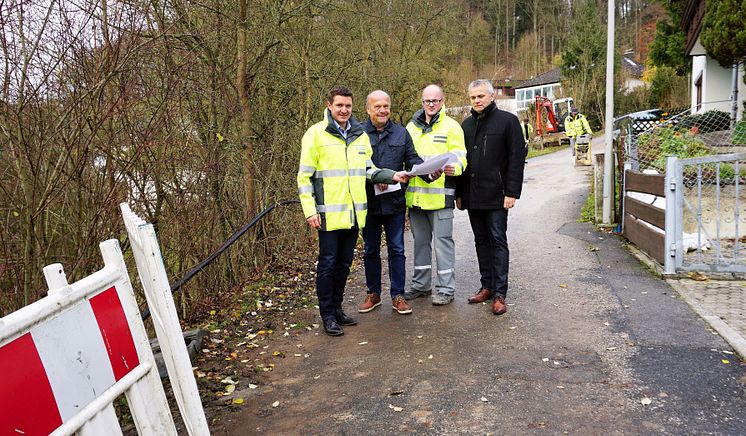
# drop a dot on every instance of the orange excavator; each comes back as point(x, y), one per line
point(549, 127)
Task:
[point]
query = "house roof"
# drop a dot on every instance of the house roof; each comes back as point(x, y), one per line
point(691, 22)
point(551, 76)
point(634, 68)
point(507, 83)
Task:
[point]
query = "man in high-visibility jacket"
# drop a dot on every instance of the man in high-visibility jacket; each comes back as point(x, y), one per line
point(431, 204)
point(575, 125)
point(527, 130)
point(335, 162)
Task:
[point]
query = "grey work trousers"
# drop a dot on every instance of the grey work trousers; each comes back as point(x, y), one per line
point(437, 225)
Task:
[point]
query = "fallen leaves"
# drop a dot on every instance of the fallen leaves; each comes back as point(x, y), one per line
point(698, 276)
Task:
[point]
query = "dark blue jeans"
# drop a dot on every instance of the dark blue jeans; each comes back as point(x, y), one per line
point(394, 227)
point(491, 241)
point(336, 248)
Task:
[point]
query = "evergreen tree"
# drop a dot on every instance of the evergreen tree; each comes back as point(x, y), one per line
point(584, 61)
point(723, 32)
point(667, 49)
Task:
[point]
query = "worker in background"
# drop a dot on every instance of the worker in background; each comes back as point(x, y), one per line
point(527, 130)
point(575, 125)
point(431, 204)
point(335, 161)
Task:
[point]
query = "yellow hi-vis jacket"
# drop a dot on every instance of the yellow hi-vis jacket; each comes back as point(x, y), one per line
point(332, 174)
point(442, 135)
point(577, 125)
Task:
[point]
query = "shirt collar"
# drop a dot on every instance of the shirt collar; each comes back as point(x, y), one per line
point(345, 131)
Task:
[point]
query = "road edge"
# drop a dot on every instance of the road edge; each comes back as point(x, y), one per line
point(728, 333)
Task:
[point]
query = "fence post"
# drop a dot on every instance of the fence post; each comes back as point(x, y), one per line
point(146, 398)
point(670, 189)
point(632, 139)
point(154, 280)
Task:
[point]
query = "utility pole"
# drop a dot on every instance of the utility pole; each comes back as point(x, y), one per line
point(608, 154)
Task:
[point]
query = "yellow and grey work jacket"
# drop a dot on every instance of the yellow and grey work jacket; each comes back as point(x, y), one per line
point(332, 173)
point(443, 134)
point(577, 125)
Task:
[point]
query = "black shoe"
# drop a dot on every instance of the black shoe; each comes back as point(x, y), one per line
point(332, 328)
point(343, 319)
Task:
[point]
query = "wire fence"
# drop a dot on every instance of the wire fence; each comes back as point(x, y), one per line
point(710, 202)
point(646, 138)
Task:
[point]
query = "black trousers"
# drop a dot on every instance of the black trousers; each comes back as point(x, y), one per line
point(491, 241)
point(336, 249)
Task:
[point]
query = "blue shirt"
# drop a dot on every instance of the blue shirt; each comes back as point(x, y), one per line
point(343, 132)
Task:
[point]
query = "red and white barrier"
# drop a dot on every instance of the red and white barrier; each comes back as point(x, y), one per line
point(58, 367)
point(67, 357)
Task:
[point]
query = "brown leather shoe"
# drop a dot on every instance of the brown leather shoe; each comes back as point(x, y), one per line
point(498, 306)
point(372, 300)
point(400, 305)
point(482, 295)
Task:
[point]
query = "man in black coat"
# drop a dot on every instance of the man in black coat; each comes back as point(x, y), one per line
point(392, 148)
point(490, 186)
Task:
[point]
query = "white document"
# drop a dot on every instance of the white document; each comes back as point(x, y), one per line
point(389, 188)
point(433, 164)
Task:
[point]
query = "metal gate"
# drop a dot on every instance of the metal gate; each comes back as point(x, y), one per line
point(706, 214)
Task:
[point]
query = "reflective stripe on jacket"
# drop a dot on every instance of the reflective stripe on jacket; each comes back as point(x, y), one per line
point(332, 173)
point(576, 126)
point(442, 135)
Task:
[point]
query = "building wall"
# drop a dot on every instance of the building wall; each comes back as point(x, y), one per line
point(716, 86)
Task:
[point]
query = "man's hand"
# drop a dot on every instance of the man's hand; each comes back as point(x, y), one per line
point(450, 170)
point(382, 186)
point(458, 203)
point(314, 221)
point(508, 202)
point(401, 177)
point(435, 175)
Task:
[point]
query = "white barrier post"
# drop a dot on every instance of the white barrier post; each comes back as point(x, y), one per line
point(147, 400)
point(105, 421)
point(154, 280)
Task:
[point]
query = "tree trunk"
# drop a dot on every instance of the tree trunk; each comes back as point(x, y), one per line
point(242, 86)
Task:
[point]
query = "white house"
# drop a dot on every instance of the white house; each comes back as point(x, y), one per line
point(632, 72)
point(712, 85)
point(546, 84)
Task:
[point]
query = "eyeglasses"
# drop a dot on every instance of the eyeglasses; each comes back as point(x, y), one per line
point(432, 102)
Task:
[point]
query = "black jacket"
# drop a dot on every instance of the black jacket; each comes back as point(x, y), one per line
point(392, 149)
point(495, 155)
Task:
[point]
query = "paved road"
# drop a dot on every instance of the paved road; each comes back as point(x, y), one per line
point(592, 344)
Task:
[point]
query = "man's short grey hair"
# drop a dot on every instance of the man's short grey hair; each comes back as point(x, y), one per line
point(482, 82)
point(377, 92)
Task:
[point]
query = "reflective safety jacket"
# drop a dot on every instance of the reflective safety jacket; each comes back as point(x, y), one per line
point(527, 130)
point(577, 125)
point(442, 135)
point(332, 173)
